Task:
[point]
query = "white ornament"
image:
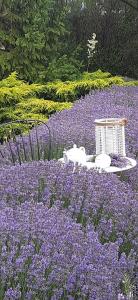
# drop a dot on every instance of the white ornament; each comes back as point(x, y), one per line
point(103, 161)
point(75, 155)
point(91, 46)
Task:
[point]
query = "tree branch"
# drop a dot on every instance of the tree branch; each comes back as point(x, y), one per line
point(130, 4)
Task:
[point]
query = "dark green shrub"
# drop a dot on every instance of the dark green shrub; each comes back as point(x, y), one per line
point(63, 69)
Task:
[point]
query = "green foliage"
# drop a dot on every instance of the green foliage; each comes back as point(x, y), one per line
point(11, 81)
point(63, 69)
point(18, 102)
point(131, 83)
point(48, 91)
point(18, 129)
point(67, 92)
point(13, 90)
point(11, 96)
point(7, 114)
point(21, 115)
point(71, 90)
point(47, 39)
point(41, 106)
point(127, 286)
point(95, 75)
point(85, 86)
point(30, 33)
point(116, 80)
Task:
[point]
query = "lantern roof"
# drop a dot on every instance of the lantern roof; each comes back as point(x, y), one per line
point(111, 121)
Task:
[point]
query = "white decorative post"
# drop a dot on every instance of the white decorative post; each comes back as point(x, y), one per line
point(110, 136)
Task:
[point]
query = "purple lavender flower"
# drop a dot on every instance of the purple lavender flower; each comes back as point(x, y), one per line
point(88, 197)
point(46, 254)
point(44, 250)
point(12, 294)
point(119, 161)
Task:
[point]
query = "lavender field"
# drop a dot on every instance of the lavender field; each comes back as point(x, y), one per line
point(71, 235)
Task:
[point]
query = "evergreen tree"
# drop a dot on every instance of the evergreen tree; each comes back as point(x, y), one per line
point(30, 33)
point(37, 36)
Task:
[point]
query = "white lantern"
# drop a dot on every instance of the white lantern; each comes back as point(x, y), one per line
point(110, 136)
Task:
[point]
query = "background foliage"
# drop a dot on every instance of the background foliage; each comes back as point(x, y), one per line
point(20, 100)
point(46, 40)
